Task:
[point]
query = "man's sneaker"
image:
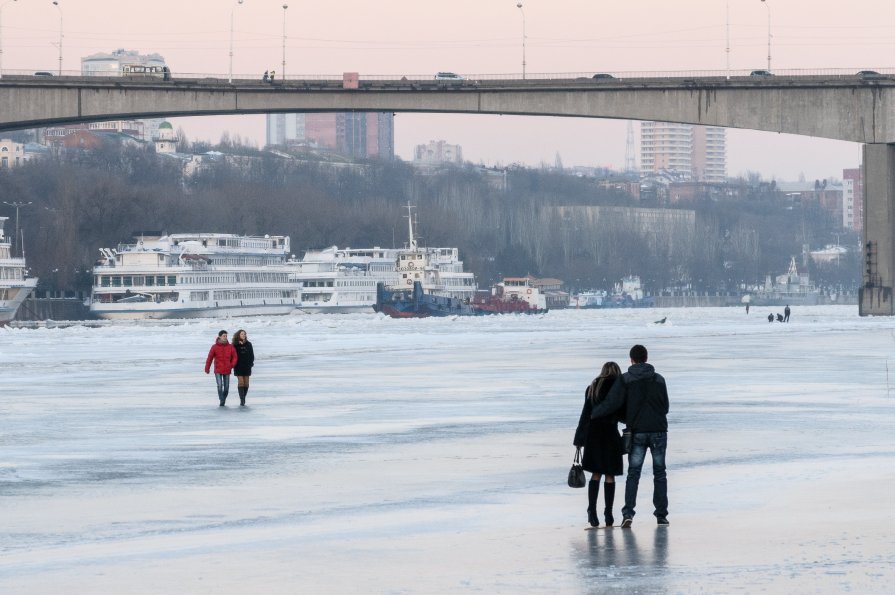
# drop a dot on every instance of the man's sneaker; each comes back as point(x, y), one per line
point(662, 521)
point(627, 522)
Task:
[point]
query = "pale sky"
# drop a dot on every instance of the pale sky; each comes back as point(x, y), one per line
point(475, 38)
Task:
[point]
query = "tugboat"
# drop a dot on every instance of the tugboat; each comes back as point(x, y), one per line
point(512, 296)
point(416, 303)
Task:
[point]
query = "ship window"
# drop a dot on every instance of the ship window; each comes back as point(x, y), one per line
point(127, 281)
point(159, 280)
point(138, 280)
point(116, 281)
point(172, 280)
point(105, 281)
point(150, 281)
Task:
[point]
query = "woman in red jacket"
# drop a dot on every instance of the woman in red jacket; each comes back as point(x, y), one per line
point(224, 356)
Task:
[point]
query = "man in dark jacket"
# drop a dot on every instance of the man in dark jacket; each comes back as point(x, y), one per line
point(643, 399)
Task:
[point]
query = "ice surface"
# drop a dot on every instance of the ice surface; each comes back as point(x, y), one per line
point(397, 456)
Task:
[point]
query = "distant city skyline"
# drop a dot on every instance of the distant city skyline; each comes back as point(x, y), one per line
point(471, 37)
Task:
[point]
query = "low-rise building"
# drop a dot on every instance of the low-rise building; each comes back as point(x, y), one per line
point(12, 154)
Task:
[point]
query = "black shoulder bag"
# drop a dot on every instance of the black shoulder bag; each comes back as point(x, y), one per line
point(576, 473)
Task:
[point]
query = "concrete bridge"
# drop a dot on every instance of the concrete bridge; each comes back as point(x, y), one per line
point(852, 108)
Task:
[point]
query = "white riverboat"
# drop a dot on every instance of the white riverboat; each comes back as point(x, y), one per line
point(343, 280)
point(14, 285)
point(194, 275)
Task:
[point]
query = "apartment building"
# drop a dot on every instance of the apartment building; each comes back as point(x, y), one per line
point(697, 153)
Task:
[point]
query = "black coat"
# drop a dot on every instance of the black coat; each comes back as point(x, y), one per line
point(642, 396)
point(245, 359)
point(599, 437)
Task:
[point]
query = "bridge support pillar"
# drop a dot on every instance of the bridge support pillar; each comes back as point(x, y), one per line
point(875, 296)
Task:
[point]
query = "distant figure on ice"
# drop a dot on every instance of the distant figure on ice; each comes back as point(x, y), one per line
point(786, 313)
point(642, 396)
point(779, 317)
point(747, 307)
point(266, 77)
point(661, 321)
point(770, 318)
point(224, 357)
point(245, 359)
point(602, 445)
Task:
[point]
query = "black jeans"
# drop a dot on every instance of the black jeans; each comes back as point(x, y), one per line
point(656, 442)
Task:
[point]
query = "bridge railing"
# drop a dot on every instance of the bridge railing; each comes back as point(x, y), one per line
point(513, 76)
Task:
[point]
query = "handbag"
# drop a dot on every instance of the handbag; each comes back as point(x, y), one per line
point(627, 441)
point(576, 473)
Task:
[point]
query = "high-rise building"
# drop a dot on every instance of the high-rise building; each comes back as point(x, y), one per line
point(438, 151)
point(696, 153)
point(853, 199)
point(353, 134)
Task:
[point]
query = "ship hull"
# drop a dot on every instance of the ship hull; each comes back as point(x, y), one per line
point(131, 312)
point(16, 295)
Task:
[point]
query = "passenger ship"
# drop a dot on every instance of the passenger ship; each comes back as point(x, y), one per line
point(344, 280)
point(194, 275)
point(14, 286)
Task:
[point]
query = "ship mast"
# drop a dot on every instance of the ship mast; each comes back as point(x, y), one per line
point(412, 241)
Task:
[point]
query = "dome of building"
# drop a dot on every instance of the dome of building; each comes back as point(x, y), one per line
point(165, 125)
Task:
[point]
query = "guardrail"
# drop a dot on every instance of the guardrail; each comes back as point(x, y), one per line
point(822, 72)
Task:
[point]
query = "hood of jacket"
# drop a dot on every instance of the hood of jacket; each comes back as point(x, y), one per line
point(641, 371)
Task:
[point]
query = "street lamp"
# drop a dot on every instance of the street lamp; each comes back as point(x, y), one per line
point(768, 6)
point(283, 76)
point(16, 205)
point(519, 6)
point(59, 8)
point(230, 72)
point(1, 35)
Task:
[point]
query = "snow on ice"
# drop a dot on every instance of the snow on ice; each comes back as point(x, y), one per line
point(381, 455)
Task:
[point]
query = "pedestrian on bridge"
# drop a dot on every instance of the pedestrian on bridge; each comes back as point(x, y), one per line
point(265, 78)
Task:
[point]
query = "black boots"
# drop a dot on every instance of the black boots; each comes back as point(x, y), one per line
point(243, 391)
point(609, 497)
point(593, 490)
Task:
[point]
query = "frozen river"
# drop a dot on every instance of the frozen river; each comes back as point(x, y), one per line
point(406, 456)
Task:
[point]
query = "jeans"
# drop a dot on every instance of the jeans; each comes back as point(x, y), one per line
point(223, 381)
point(656, 442)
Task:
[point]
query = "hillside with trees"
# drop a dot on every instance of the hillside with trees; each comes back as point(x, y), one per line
point(82, 201)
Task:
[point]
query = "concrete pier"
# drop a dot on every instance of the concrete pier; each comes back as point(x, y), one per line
point(879, 231)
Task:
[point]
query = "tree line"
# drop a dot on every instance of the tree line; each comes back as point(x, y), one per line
point(84, 200)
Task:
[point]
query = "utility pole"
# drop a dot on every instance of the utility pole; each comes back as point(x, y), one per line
point(283, 75)
point(17, 205)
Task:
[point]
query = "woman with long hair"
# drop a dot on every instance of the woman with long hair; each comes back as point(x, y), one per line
point(602, 444)
point(244, 362)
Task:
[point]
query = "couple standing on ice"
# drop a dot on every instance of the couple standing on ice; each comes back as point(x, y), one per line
point(237, 358)
point(639, 398)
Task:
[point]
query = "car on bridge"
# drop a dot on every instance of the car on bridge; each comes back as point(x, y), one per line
point(448, 76)
point(602, 76)
point(869, 75)
point(761, 73)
